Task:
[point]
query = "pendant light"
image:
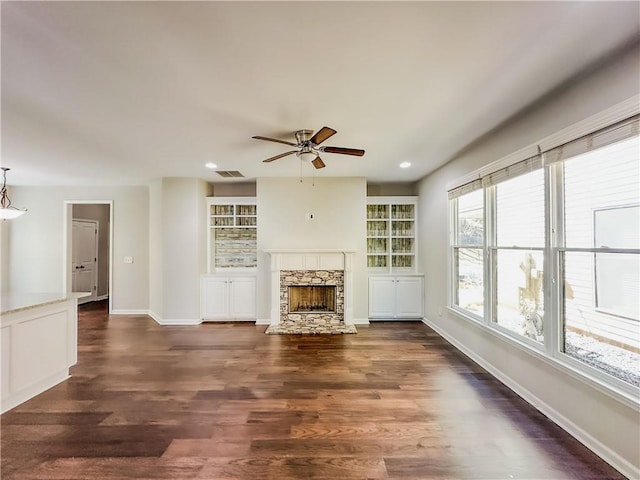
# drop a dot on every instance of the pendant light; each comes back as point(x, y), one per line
point(7, 212)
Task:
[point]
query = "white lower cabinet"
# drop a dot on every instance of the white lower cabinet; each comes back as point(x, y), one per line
point(228, 298)
point(396, 297)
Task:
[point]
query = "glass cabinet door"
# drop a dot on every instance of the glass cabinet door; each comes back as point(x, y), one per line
point(232, 235)
point(391, 234)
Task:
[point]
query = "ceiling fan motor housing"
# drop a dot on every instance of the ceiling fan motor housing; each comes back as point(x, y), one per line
point(303, 136)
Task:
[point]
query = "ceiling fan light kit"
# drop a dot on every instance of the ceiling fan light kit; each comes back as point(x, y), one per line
point(308, 146)
point(7, 211)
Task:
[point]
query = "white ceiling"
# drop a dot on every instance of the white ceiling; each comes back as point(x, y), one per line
point(112, 93)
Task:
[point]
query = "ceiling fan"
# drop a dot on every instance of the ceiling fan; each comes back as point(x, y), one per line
point(308, 147)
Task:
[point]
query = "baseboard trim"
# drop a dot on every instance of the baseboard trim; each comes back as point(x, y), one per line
point(14, 399)
point(263, 321)
point(612, 458)
point(159, 320)
point(178, 321)
point(130, 312)
point(173, 321)
point(361, 321)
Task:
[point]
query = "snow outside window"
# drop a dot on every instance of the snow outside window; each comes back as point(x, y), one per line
point(519, 255)
point(601, 259)
point(468, 253)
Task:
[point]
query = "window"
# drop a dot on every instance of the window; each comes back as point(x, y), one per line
point(601, 259)
point(519, 255)
point(560, 228)
point(617, 227)
point(468, 253)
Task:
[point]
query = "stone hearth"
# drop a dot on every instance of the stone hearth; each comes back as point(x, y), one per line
point(316, 329)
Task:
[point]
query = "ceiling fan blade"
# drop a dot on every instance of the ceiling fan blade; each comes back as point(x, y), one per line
point(342, 150)
point(322, 134)
point(271, 159)
point(318, 163)
point(258, 137)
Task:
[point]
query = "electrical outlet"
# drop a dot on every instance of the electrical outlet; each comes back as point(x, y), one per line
point(308, 216)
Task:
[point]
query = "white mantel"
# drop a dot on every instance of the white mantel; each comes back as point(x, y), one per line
point(318, 259)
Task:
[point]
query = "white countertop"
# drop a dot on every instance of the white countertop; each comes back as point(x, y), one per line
point(15, 302)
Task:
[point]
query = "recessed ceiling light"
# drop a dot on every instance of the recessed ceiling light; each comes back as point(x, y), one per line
point(405, 165)
point(211, 165)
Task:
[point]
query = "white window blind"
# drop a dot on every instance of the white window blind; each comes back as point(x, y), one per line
point(502, 174)
point(615, 133)
point(512, 171)
point(466, 188)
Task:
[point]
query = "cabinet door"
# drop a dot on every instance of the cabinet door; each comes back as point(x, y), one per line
point(242, 298)
point(409, 295)
point(214, 301)
point(382, 297)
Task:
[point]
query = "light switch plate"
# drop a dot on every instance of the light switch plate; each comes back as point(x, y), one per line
point(128, 259)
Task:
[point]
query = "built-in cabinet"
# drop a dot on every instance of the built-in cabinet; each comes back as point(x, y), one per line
point(228, 292)
point(396, 290)
point(394, 297)
point(228, 297)
point(391, 230)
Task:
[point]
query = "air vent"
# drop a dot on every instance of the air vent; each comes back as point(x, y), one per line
point(229, 173)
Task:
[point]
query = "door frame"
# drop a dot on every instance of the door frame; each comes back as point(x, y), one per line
point(67, 224)
point(96, 224)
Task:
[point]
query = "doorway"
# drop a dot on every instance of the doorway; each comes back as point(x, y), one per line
point(84, 258)
point(88, 246)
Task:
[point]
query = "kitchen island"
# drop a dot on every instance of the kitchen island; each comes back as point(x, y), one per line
point(38, 343)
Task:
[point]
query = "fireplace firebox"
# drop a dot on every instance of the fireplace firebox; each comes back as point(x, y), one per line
point(312, 299)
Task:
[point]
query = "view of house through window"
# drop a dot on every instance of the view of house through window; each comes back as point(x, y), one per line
point(601, 272)
point(519, 257)
point(588, 192)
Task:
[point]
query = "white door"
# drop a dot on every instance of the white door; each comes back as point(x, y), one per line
point(409, 297)
point(382, 297)
point(242, 298)
point(214, 301)
point(84, 266)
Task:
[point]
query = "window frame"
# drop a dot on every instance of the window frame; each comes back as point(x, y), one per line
point(551, 350)
point(608, 250)
point(494, 248)
point(454, 246)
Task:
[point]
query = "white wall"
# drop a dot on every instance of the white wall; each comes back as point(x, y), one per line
point(339, 209)
point(183, 259)
point(607, 425)
point(35, 241)
point(177, 247)
point(233, 189)
point(4, 251)
point(156, 276)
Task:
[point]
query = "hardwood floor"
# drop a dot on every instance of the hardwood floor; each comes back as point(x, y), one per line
point(226, 401)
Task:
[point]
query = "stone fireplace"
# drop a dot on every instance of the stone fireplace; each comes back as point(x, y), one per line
point(311, 292)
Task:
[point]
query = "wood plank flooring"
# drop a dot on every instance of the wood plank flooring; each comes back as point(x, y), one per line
point(226, 401)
